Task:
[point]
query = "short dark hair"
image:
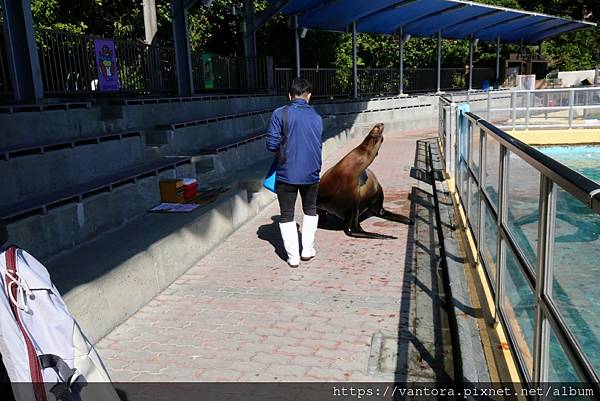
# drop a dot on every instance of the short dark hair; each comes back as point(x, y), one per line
point(299, 87)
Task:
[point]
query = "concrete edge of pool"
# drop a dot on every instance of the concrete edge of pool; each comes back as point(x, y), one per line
point(578, 136)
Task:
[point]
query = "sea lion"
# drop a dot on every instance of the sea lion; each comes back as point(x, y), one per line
point(351, 192)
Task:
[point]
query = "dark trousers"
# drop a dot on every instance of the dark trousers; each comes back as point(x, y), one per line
point(287, 194)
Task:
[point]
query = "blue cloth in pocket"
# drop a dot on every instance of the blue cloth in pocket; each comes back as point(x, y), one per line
point(269, 181)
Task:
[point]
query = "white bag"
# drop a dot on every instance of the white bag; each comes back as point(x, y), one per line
point(46, 355)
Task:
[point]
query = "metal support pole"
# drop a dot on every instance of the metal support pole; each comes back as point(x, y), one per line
point(185, 77)
point(354, 63)
point(521, 48)
point(401, 35)
point(249, 44)
point(571, 104)
point(527, 111)
point(471, 51)
point(453, 139)
point(439, 62)
point(297, 45)
point(513, 106)
point(498, 61)
point(21, 50)
point(547, 207)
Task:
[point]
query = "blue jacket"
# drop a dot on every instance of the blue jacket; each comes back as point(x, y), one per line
point(304, 132)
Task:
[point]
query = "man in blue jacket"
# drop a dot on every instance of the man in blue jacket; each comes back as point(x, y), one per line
point(295, 133)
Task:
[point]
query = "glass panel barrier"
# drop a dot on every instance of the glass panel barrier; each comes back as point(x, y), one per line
point(576, 271)
point(560, 368)
point(522, 215)
point(518, 306)
point(474, 208)
point(464, 177)
point(489, 243)
point(475, 145)
point(492, 157)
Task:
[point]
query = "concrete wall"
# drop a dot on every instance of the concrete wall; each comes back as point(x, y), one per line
point(30, 175)
point(74, 223)
point(54, 125)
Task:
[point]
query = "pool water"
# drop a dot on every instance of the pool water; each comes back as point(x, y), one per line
point(583, 159)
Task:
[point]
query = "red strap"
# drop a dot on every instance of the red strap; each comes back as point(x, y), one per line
point(34, 364)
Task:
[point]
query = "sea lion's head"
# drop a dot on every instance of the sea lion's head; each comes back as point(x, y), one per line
point(375, 138)
point(3, 233)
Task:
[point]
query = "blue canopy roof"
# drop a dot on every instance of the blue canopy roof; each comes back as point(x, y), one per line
point(456, 19)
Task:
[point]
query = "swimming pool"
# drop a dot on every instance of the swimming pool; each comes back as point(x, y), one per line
point(584, 159)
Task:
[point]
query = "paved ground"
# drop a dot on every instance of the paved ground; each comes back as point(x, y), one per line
point(241, 314)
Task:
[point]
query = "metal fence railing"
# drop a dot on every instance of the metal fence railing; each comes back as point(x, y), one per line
point(536, 226)
point(380, 81)
point(228, 73)
point(325, 81)
point(68, 65)
point(548, 108)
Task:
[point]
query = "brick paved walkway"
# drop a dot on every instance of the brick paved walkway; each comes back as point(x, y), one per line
point(241, 314)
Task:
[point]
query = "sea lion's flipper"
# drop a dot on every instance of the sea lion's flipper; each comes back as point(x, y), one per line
point(353, 229)
point(360, 233)
point(386, 214)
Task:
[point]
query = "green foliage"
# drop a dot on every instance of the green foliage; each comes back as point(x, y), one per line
point(217, 29)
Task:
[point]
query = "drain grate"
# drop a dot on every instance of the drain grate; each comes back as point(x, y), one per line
point(383, 357)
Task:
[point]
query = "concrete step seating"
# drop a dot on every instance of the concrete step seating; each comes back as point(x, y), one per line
point(59, 220)
point(24, 108)
point(45, 147)
point(214, 162)
point(225, 146)
point(183, 99)
point(222, 133)
point(76, 193)
point(65, 163)
point(209, 120)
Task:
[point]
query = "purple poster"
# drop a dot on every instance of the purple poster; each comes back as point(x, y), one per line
point(106, 61)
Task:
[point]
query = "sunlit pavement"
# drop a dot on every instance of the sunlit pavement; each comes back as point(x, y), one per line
point(241, 314)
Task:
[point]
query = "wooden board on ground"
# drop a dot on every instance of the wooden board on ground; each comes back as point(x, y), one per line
point(203, 198)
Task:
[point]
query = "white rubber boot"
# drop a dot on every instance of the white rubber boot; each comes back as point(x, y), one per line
point(289, 233)
point(309, 228)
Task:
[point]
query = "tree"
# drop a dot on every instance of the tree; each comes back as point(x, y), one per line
point(216, 29)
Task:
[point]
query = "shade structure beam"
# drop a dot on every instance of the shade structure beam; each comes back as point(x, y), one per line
point(455, 24)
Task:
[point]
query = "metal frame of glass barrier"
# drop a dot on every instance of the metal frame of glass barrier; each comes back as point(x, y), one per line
point(458, 155)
